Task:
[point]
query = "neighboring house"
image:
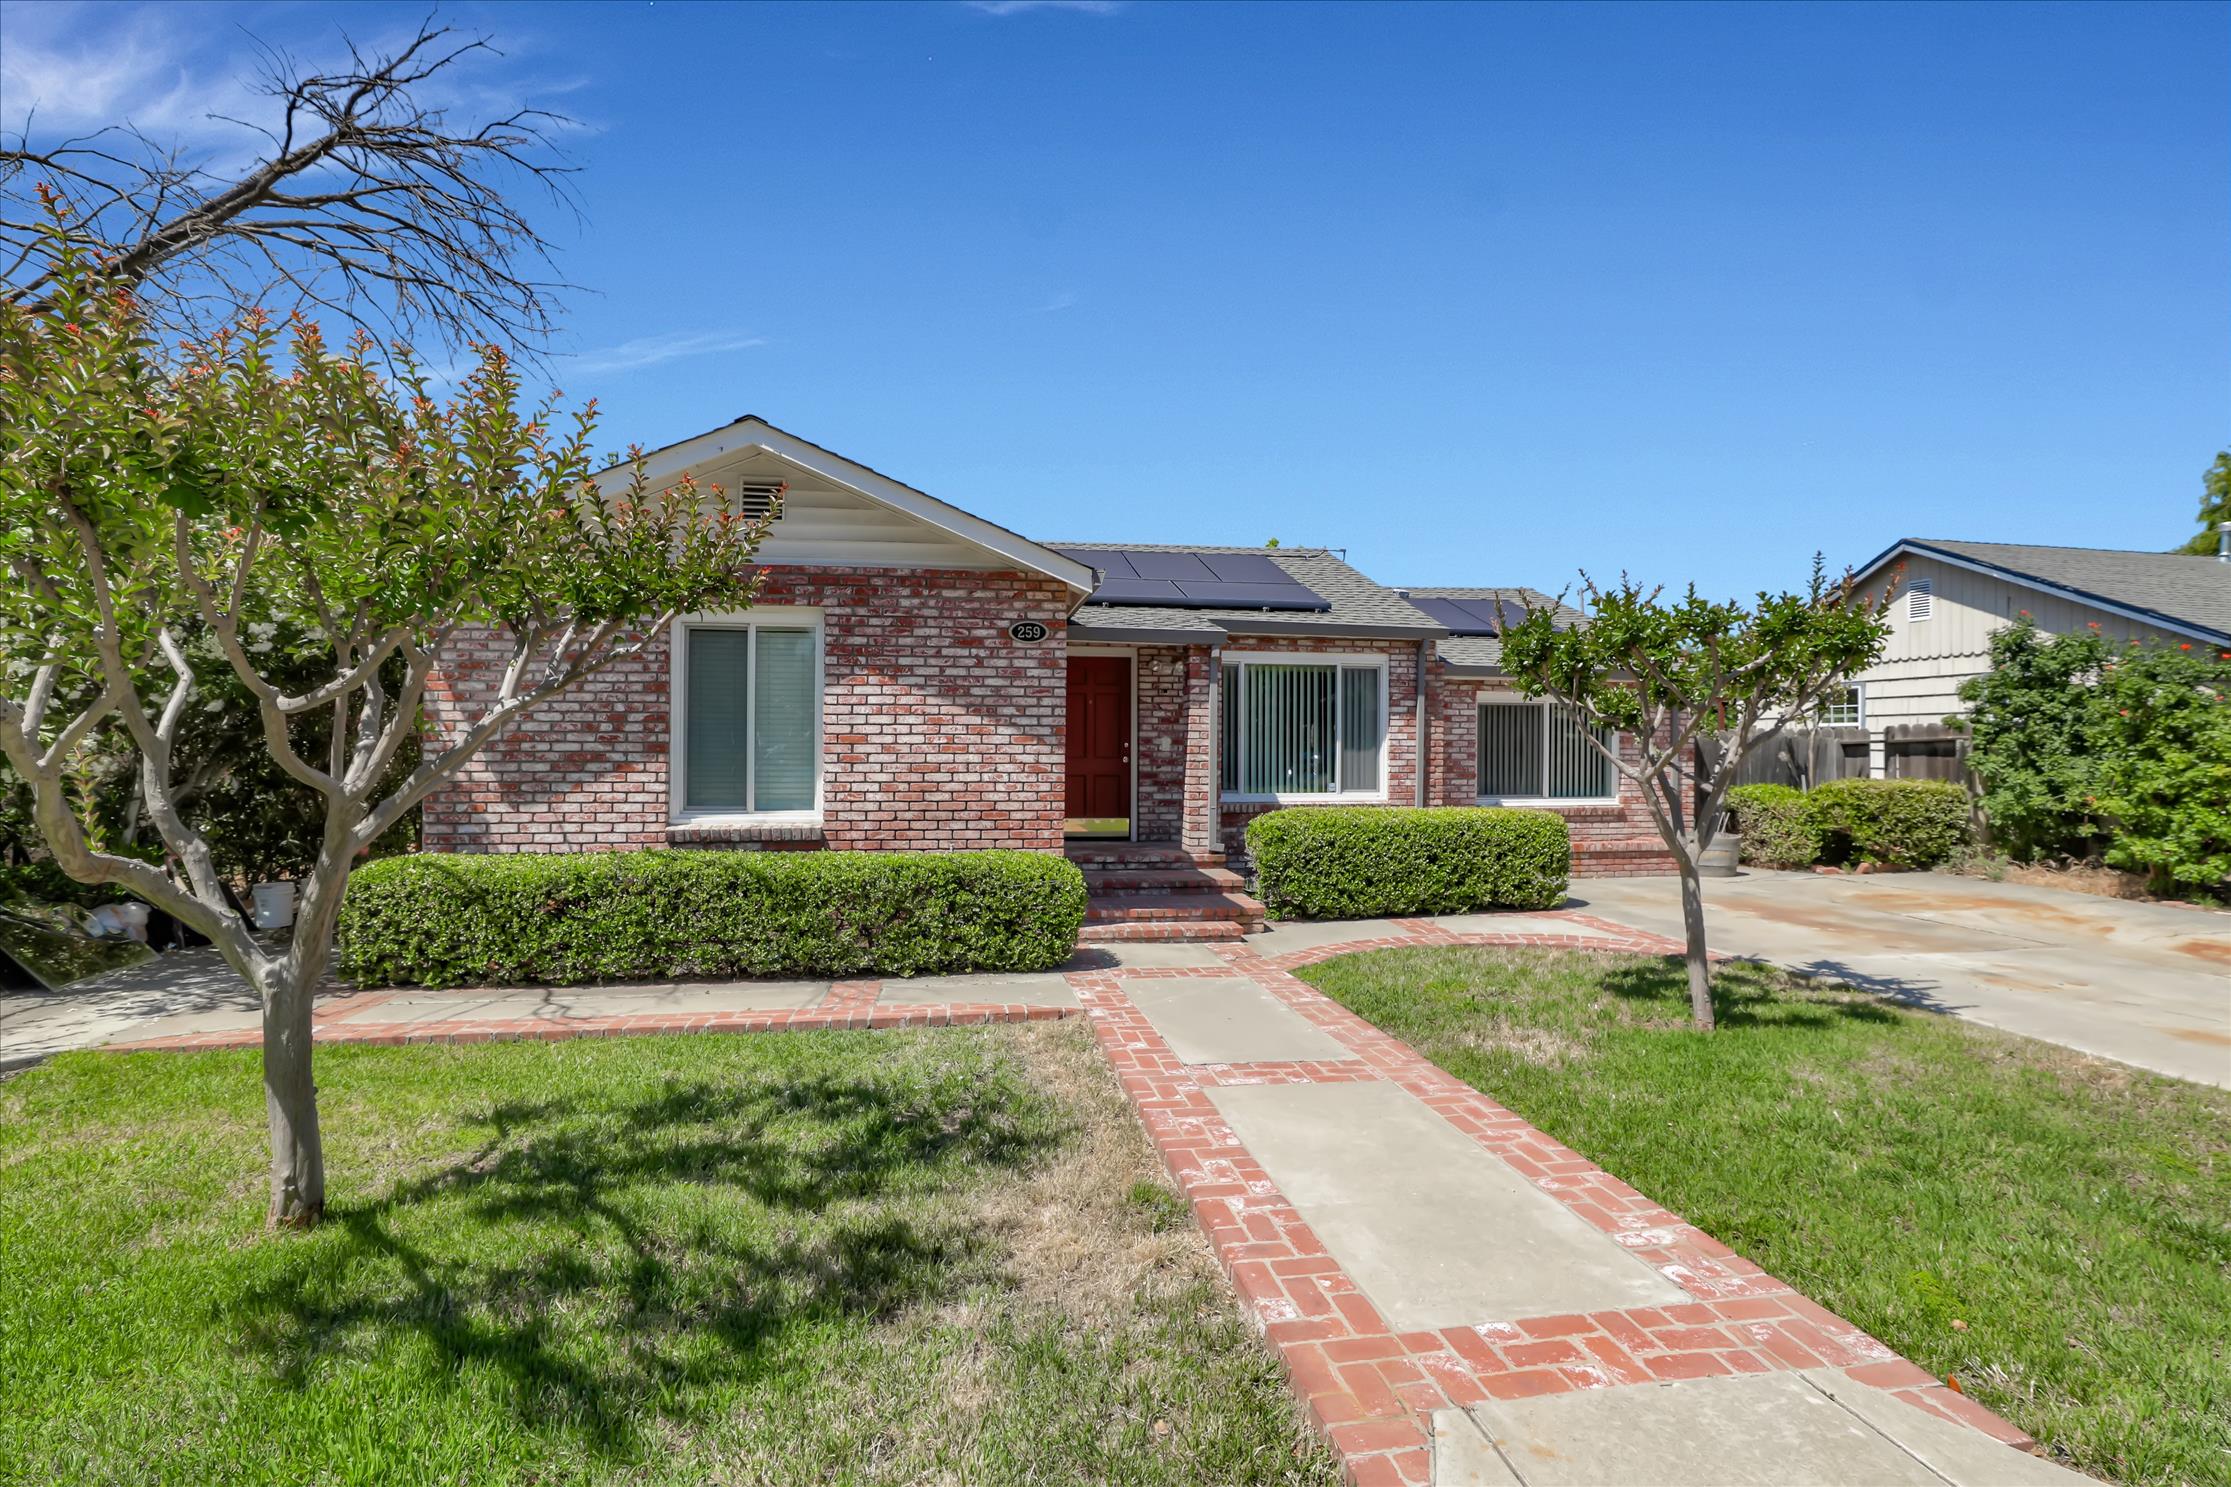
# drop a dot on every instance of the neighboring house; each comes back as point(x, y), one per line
point(916, 677)
point(1952, 596)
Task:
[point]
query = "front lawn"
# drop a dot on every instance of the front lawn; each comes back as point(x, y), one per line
point(2052, 1229)
point(936, 1256)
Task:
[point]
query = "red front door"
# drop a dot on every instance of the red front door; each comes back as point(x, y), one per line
point(1099, 780)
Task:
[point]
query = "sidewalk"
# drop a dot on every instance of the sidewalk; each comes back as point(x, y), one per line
point(1457, 1298)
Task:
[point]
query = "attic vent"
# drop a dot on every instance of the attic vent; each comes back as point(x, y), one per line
point(756, 498)
point(1920, 599)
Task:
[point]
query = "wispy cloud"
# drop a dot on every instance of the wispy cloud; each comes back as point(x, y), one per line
point(1059, 302)
point(649, 351)
point(76, 68)
point(1018, 7)
point(71, 69)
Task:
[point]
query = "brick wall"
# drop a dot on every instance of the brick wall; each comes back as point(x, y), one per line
point(938, 731)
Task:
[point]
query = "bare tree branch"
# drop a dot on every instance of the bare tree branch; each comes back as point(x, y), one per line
point(370, 202)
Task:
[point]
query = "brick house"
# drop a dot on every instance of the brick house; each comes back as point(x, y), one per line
point(916, 677)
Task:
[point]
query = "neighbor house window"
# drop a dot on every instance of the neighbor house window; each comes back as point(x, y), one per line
point(1845, 707)
point(1541, 751)
point(747, 696)
point(1304, 728)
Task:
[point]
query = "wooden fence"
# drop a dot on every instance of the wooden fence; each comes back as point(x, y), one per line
point(1801, 757)
point(1925, 751)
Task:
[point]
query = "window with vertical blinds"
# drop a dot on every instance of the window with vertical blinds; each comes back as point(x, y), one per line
point(750, 709)
point(1292, 728)
point(1542, 751)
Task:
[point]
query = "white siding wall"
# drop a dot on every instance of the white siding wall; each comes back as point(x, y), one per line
point(1918, 679)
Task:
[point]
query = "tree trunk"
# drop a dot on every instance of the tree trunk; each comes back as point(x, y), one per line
point(1692, 923)
point(290, 1097)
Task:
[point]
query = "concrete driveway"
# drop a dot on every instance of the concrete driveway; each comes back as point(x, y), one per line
point(2148, 984)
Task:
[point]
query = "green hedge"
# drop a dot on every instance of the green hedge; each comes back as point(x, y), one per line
point(452, 920)
point(1364, 862)
point(1897, 823)
point(1778, 823)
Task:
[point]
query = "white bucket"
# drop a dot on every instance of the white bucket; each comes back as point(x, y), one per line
point(274, 905)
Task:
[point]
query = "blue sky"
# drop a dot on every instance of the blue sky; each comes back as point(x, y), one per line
point(1482, 294)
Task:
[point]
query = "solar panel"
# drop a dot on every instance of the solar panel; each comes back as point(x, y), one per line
point(1458, 619)
point(1175, 565)
point(1195, 580)
point(1474, 616)
point(1288, 595)
point(1136, 591)
point(1245, 567)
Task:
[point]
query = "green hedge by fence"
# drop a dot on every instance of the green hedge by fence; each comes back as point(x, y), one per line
point(1897, 823)
point(450, 920)
point(1366, 862)
point(1893, 823)
point(1778, 823)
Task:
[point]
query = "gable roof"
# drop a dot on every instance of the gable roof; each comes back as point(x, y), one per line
point(1482, 655)
point(1359, 607)
point(2177, 591)
point(750, 432)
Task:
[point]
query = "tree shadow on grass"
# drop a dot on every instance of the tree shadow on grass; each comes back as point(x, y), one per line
point(1745, 994)
point(574, 1258)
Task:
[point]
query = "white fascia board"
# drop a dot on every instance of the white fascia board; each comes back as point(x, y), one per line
point(670, 463)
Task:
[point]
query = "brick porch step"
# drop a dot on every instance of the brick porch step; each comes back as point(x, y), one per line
point(1190, 931)
point(1149, 906)
point(1120, 882)
point(1092, 856)
point(1635, 855)
point(1171, 916)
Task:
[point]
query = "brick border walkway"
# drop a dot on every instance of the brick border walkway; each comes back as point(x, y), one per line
point(1367, 1387)
point(1371, 1389)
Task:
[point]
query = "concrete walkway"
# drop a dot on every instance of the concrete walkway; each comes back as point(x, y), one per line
point(1460, 1300)
point(2147, 984)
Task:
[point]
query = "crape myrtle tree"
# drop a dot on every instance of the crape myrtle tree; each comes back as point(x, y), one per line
point(262, 477)
point(1673, 675)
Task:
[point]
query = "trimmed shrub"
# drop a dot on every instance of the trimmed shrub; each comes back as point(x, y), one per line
point(1897, 823)
point(1779, 825)
point(450, 920)
point(1365, 862)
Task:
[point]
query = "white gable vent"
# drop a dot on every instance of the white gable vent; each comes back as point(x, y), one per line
point(756, 498)
point(1920, 600)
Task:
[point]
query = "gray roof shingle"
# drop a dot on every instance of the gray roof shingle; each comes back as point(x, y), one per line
point(1359, 606)
point(2178, 587)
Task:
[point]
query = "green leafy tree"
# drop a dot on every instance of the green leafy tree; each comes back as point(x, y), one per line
point(2033, 740)
point(2215, 504)
point(1671, 676)
point(252, 478)
point(2164, 724)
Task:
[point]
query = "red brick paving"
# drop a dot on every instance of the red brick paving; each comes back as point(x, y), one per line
point(1368, 1388)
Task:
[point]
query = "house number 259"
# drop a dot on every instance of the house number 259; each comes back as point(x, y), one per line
point(1029, 632)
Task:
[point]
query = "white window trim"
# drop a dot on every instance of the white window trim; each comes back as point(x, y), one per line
point(1376, 660)
point(1512, 699)
point(1859, 696)
point(677, 714)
